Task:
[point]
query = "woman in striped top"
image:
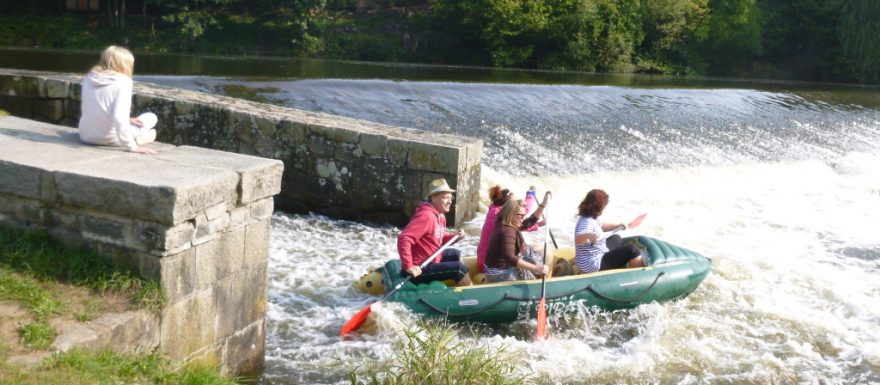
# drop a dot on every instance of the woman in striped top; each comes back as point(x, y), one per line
point(593, 250)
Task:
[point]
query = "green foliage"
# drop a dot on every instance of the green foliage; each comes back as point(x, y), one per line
point(37, 335)
point(598, 35)
point(37, 255)
point(432, 353)
point(734, 35)
point(674, 31)
point(830, 40)
point(859, 30)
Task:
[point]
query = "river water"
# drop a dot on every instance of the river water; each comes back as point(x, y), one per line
point(778, 183)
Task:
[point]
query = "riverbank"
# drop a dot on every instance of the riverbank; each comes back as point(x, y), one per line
point(761, 39)
point(46, 288)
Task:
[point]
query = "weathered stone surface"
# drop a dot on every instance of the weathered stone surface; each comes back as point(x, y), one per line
point(259, 177)
point(26, 175)
point(246, 348)
point(131, 331)
point(219, 258)
point(256, 244)
point(189, 325)
point(179, 274)
point(236, 307)
point(133, 189)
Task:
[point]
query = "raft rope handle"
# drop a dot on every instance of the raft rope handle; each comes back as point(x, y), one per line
point(506, 297)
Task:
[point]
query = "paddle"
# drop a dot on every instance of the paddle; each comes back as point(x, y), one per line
point(635, 223)
point(552, 238)
point(540, 331)
point(358, 320)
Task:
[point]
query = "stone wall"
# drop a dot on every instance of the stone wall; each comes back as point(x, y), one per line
point(195, 219)
point(335, 166)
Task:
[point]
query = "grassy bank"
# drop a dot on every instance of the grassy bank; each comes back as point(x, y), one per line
point(433, 353)
point(110, 368)
point(43, 283)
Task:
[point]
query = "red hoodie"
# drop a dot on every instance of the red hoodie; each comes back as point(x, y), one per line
point(424, 234)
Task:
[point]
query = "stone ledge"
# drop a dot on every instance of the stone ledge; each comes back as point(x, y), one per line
point(48, 163)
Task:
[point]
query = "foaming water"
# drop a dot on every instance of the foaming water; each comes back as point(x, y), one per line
point(789, 299)
point(534, 129)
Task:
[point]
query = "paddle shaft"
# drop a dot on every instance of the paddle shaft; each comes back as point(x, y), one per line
point(358, 320)
point(540, 333)
point(422, 266)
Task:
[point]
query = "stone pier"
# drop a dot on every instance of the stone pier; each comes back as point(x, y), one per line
point(197, 220)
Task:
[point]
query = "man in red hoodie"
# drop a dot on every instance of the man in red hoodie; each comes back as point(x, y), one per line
point(425, 233)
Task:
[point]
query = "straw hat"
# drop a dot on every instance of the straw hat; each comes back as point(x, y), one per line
point(438, 186)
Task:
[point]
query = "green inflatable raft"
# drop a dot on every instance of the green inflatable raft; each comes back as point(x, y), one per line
point(672, 272)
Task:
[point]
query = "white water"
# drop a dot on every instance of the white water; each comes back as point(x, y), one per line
point(792, 297)
point(781, 188)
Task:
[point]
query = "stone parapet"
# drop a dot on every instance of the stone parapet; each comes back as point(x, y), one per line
point(195, 219)
point(337, 166)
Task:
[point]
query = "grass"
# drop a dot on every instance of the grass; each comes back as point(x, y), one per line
point(37, 335)
point(78, 367)
point(38, 258)
point(432, 353)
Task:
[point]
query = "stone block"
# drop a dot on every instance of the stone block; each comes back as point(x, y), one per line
point(178, 274)
point(51, 110)
point(337, 134)
point(57, 89)
point(261, 209)
point(240, 299)
point(20, 180)
point(259, 177)
point(256, 244)
point(434, 158)
point(320, 146)
point(20, 86)
point(132, 188)
point(208, 228)
point(373, 144)
point(189, 325)
point(397, 151)
point(219, 258)
point(239, 217)
point(245, 350)
point(130, 331)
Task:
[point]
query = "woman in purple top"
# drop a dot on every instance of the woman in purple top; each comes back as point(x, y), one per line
point(499, 196)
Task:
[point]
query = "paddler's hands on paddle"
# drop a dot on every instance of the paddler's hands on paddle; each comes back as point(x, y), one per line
point(539, 269)
point(460, 234)
point(414, 271)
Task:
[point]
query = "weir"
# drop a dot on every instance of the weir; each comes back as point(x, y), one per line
point(336, 166)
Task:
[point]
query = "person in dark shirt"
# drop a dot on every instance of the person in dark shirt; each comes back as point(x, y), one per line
point(509, 257)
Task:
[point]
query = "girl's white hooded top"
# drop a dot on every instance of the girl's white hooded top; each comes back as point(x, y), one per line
point(106, 109)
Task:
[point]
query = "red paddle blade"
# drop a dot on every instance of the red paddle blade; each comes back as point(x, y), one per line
point(357, 321)
point(636, 222)
point(541, 331)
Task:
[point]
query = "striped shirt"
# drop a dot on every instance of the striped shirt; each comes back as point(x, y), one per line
point(589, 257)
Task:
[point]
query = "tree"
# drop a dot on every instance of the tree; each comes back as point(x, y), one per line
point(858, 31)
point(734, 35)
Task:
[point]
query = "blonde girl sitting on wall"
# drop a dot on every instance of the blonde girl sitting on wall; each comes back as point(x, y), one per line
point(106, 105)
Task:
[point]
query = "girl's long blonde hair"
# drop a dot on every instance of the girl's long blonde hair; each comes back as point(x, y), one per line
point(116, 59)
